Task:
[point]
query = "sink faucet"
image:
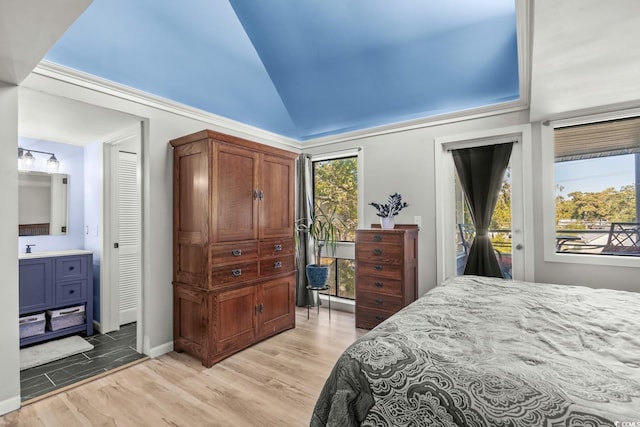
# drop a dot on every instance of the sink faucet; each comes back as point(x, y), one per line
point(29, 248)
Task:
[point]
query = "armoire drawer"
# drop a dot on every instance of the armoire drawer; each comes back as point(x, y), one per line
point(234, 273)
point(234, 253)
point(276, 247)
point(271, 266)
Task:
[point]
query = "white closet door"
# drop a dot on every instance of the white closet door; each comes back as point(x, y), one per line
point(128, 236)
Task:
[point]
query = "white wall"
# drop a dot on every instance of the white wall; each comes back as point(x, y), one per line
point(93, 214)
point(9, 336)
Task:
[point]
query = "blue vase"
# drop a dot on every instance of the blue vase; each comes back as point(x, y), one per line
point(317, 275)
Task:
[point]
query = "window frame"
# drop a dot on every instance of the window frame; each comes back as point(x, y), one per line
point(548, 192)
point(344, 249)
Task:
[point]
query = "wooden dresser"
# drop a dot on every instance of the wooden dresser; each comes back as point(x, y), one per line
point(233, 248)
point(386, 272)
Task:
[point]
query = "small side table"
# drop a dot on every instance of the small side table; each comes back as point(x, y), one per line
point(317, 290)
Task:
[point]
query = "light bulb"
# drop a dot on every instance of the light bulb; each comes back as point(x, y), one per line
point(53, 164)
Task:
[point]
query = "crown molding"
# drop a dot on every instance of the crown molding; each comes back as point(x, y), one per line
point(107, 87)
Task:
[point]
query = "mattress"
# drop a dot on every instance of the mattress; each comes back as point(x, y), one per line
point(479, 351)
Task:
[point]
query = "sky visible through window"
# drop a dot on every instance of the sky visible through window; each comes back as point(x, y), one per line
point(594, 175)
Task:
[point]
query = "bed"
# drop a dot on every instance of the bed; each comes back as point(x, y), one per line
point(479, 351)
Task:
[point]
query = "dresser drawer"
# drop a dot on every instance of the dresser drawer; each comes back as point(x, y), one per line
point(379, 237)
point(71, 291)
point(274, 248)
point(379, 301)
point(235, 273)
point(379, 269)
point(377, 285)
point(277, 265)
point(71, 267)
point(234, 253)
point(367, 318)
point(378, 252)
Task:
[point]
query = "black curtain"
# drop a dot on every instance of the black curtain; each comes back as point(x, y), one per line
point(481, 172)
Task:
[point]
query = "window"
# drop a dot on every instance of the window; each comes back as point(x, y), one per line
point(335, 189)
point(597, 168)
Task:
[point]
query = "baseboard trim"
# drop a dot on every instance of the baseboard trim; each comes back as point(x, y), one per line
point(160, 350)
point(9, 405)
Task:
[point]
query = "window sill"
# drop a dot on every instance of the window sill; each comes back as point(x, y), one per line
point(606, 260)
point(338, 303)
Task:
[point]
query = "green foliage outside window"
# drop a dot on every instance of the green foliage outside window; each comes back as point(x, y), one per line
point(335, 189)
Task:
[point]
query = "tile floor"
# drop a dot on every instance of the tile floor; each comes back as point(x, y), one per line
point(109, 351)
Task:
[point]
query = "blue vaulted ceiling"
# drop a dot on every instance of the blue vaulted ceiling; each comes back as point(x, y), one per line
point(304, 68)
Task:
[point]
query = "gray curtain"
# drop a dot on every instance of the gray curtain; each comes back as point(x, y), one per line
point(481, 172)
point(304, 246)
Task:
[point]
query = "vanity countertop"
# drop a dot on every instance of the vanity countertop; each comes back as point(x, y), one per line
point(46, 254)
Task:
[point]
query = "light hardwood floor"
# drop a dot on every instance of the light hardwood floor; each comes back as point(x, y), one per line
point(273, 383)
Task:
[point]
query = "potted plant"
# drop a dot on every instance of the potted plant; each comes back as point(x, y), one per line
point(387, 211)
point(322, 228)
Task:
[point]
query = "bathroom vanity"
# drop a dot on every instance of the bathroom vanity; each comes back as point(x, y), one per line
point(53, 281)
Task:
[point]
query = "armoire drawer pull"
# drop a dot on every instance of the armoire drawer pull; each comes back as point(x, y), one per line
point(377, 251)
point(237, 272)
point(377, 238)
point(277, 248)
point(377, 284)
point(377, 267)
point(236, 252)
point(277, 264)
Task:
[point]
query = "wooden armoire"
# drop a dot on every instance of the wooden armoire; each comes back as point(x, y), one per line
point(233, 247)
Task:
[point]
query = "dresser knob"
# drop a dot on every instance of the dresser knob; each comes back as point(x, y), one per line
point(377, 238)
point(277, 248)
point(277, 264)
point(378, 301)
point(377, 284)
point(237, 273)
point(71, 268)
point(72, 291)
point(377, 251)
point(378, 267)
point(380, 318)
point(236, 252)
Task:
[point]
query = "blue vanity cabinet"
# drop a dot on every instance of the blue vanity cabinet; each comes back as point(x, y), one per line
point(55, 282)
point(33, 275)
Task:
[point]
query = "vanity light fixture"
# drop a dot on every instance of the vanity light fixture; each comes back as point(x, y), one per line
point(26, 160)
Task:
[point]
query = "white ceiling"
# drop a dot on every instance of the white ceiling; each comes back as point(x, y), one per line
point(585, 56)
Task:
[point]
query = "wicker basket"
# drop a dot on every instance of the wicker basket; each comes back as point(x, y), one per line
point(31, 325)
point(65, 317)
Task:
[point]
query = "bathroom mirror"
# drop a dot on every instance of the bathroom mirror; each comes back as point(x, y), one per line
point(42, 204)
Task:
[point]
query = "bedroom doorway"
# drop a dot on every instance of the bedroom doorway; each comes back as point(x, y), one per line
point(511, 231)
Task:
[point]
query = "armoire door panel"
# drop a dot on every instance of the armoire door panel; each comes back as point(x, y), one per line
point(276, 207)
point(237, 311)
point(277, 310)
point(235, 194)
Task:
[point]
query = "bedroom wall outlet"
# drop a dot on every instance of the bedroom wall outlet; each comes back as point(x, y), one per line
point(417, 220)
